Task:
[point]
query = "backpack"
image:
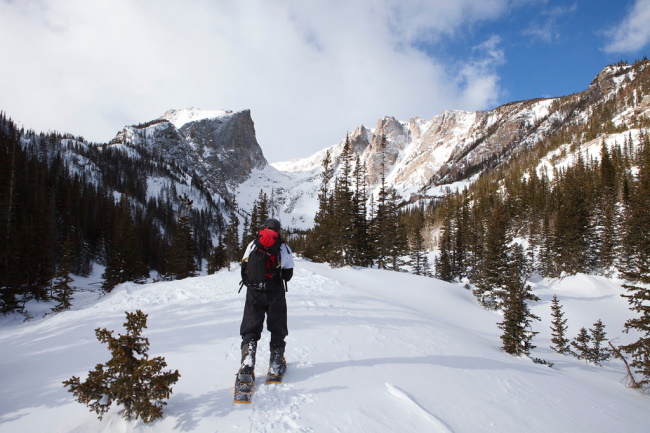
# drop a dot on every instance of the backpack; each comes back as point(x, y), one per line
point(263, 263)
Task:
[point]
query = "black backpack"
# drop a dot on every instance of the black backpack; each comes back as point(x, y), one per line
point(263, 263)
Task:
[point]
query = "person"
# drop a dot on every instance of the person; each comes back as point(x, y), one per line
point(267, 298)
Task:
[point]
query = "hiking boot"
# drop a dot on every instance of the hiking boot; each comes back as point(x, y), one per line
point(248, 350)
point(277, 363)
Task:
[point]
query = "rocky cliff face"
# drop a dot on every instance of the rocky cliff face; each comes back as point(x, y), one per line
point(453, 146)
point(219, 148)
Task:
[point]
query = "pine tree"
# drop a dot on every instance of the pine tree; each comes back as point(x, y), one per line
point(443, 261)
point(231, 238)
point(398, 247)
point(124, 262)
point(361, 248)
point(418, 252)
point(10, 152)
point(548, 266)
point(381, 224)
point(129, 378)
point(181, 263)
point(581, 344)
point(517, 317)
point(461, 233)
point(260, 213)
point(343, 199)
point(637, 267)
point(573, 220)
point(61, 290)
point(639, 300)
point(561, 344)
point(598, 353)
point(606, 213)
point(218, 258)
point(319, 240)
point(492, 276)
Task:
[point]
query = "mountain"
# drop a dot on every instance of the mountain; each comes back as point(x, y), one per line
point(215, 157)
point(424, 156)
point(217, 147)
point(218, 150)
point(368, 351)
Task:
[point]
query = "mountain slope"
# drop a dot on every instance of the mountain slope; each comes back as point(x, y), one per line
point(217, 147)
point(421, 156)
point(213, 155)
point(368, 351)
point(217, 150)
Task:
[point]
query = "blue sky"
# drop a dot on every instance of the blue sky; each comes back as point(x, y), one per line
point(555, 48)
point(309, 70)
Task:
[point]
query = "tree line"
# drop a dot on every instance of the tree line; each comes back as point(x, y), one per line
point(590, 217)
point(353, 227)
point(58, 219)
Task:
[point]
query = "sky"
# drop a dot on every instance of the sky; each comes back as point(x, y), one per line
point(309, 70)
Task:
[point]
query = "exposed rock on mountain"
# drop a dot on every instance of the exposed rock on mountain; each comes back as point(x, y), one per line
point(214, 157)
point(455, 145)
point(218, 148)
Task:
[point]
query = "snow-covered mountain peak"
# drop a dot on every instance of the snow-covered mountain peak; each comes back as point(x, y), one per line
point(181, 117)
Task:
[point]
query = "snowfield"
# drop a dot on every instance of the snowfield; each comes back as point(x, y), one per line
point(368, 351)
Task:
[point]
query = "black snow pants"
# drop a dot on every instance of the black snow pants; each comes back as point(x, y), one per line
point(259, 303)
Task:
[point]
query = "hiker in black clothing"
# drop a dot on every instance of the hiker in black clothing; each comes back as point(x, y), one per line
point(265, 268)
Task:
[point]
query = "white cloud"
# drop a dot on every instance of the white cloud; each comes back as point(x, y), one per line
point(633, 33)
point(308, 70)
point(482, 82)
point(548, 25)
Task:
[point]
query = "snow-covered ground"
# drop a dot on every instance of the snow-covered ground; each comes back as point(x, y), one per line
point(369, 351)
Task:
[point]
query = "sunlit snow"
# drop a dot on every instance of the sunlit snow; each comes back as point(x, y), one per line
point(368, 351)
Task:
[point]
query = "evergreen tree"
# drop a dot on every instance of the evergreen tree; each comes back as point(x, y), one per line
point(123, 259)
point(598, 353)
point(637, 267)
point(398, 248)
point(219, 257)
point(461, 226)
point(129, 378)
point(639, 300)
point(573, 221)
point(606, 213)
point(381, 223)
point(61, 289)
point(260, 213)
point(418, 252)
point(443, 261)
point(319, 240)
point(561, 344)
point(10, 153)
point(343, 200)
point(517, 317)
point(581, 344)
point(492, 279)
point(548, 267)
point(361, 248)
point(181, 263)
point(518, 259)
point(231, 239)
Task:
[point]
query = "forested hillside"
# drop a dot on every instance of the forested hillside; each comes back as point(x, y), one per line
point(66, 204)
point(578, 202)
